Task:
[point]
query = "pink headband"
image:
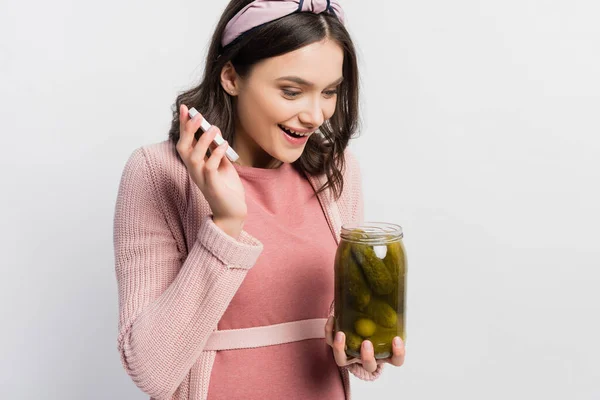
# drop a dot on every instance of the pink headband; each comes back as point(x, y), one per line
point(262, 11)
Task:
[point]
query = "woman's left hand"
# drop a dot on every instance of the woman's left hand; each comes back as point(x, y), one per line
point(367, 357)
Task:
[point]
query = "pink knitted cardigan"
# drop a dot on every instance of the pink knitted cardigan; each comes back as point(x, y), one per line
point(177, 271)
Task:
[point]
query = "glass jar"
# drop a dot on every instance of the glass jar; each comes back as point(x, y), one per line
point(370, 286)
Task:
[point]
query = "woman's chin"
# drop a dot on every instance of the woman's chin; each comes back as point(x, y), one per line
point(289, 156)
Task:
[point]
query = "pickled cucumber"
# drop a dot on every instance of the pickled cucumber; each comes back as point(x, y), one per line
point(382, 342)
point(376, 272)
point(357, 289)
point(383, 337)
point(353, 341)
point(358, 234)
point(365, 327)
point(381, 312)
point(395, 262)
point(395, 299)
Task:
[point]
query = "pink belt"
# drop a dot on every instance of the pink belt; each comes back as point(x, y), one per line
point(268, 335)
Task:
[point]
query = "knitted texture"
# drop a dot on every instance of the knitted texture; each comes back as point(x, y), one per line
point(177, 271)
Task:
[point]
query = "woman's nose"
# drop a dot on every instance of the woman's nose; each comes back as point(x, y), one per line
point(313, 114)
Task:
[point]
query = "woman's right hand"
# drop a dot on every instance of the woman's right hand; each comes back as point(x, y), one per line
point(215, 176)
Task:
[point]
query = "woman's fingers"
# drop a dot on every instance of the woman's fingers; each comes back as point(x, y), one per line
point(367, 353)
point(338, 345)
point(339, 350)
point(338, 342)
point(187, 129)
point(367, 356)
point(216, 178)
point(198, 155)
point(213, 162)
point(398, 352)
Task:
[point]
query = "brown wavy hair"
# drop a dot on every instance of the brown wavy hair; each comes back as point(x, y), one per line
point(322, 154)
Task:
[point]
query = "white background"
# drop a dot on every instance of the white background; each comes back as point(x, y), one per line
point(481, 138)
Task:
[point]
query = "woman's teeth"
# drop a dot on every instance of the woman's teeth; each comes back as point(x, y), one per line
point(294, 133)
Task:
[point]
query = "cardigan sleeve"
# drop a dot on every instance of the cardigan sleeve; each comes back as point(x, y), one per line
point(169, 302)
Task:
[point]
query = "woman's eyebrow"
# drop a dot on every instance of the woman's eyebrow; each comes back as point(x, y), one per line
point(306, 83)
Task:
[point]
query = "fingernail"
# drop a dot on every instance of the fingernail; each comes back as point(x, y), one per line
point(397, 341)
point(368, 345)
point(338, 337)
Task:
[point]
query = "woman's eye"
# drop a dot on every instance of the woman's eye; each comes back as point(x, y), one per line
point(290, 93)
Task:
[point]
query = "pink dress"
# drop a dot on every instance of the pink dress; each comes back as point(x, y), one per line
point(291, 280)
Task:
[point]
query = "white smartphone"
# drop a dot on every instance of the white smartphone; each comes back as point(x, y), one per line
point(230, 153)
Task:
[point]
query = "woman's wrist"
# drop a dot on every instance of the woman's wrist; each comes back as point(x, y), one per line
point(232, 227)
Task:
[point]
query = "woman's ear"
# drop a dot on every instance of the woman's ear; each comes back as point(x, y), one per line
point(230, 79)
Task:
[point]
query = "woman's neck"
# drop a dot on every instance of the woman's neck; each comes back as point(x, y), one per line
point(252, 155)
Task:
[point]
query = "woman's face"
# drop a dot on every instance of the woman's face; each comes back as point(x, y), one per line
point(297, 91)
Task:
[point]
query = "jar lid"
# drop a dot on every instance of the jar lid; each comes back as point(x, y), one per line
point(372, 232)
